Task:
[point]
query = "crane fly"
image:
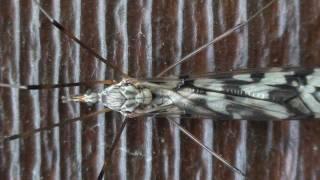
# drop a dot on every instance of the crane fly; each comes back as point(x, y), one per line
point(151, 131)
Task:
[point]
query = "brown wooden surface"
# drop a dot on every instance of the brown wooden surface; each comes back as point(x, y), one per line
point(144, 37)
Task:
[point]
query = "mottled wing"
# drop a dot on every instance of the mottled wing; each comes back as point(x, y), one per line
point(257, 95)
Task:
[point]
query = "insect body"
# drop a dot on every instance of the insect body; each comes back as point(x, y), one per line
point(272, 95)
point(165, 156)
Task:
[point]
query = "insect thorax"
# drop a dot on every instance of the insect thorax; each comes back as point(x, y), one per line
point(125, 97)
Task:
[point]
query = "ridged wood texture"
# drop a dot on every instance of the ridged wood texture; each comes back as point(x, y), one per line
point(144, 37)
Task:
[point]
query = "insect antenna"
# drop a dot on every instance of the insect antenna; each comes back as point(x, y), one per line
point(50, 86)
point(220, 37)
point(90, 50)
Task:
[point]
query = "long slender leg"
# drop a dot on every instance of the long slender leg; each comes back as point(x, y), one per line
point(220, 37)
point(51, 86)
point(194, 139)
point(60, 124)
point(78, 41)
point(108, 161)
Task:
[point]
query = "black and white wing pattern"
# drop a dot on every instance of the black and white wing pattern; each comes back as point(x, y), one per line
point(275, 94)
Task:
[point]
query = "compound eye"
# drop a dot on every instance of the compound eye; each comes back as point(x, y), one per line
point(89, 91)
